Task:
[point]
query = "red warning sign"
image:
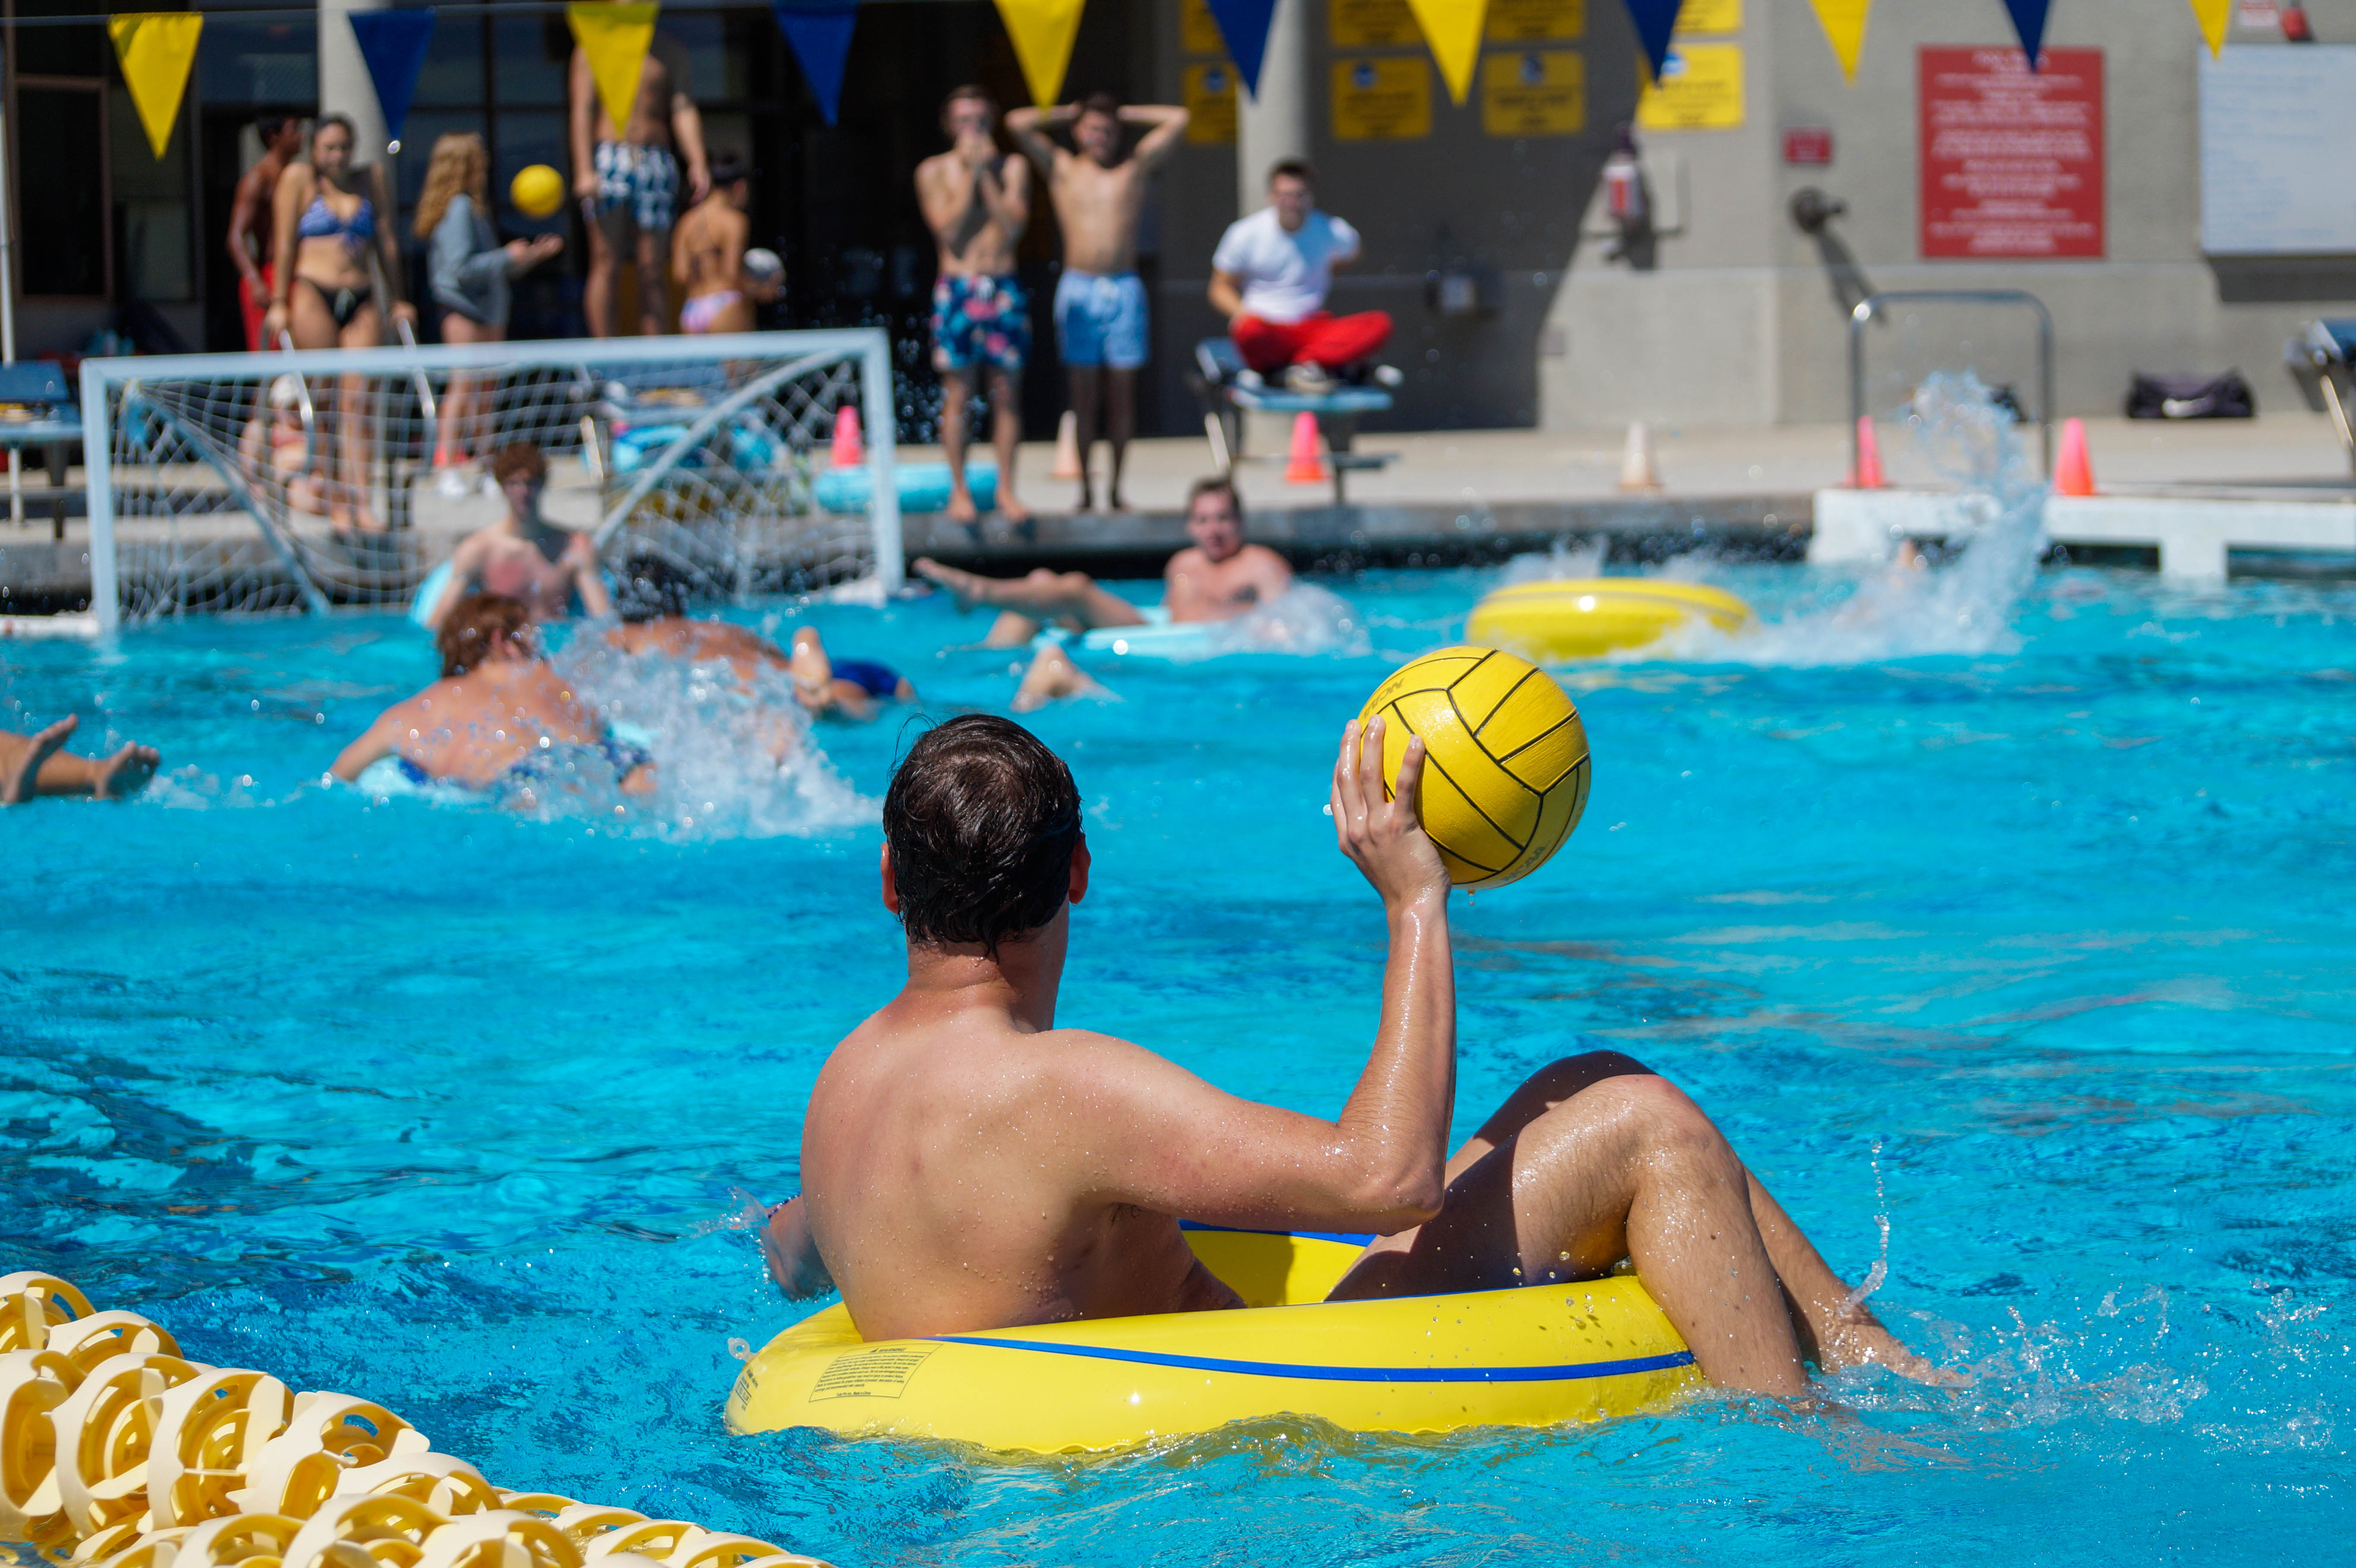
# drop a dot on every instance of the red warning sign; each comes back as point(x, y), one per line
point(2011, 160)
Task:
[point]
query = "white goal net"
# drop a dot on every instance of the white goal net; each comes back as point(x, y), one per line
point(259, 482)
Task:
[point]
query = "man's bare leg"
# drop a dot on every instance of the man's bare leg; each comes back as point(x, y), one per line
point(1120, 424)
point(1595, 1159)
point(38, 764)
point(957, 399)
point(604, 273)
point(1005, 431)
point(654, 284)
point(1070, 596)
point(1051, 678)
point(1086, 391)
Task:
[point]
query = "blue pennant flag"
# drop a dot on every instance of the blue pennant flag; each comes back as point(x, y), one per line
point(1244, 25)
point(2028, 21)
point(393, 45)
point(820, 38)
point(1656, 20)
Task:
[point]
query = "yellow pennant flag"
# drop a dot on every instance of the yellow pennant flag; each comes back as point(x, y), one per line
point(1452, 28)
point(1043, 31)
point(2212, 15)
point(1844, 25)
point(616, 36)
point(157, 48)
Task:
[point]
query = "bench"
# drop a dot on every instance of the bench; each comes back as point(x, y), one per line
point(1229, 390)
point(2322, 358)
point(35, 410)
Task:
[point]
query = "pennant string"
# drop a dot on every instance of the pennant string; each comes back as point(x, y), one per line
point(1043, 31)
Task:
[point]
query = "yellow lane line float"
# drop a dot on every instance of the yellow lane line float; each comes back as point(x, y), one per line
point(1532, 1356)
point(1588, 617)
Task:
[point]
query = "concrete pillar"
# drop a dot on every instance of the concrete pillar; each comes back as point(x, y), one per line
point(1274, 125)
point(344, 85)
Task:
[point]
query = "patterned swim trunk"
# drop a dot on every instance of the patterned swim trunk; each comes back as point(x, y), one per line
point(980, 320)
point(643, 179)
point(1100, 319)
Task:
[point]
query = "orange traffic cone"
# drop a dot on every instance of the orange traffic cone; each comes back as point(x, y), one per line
point(1068, 448)
point(1305, 467)
point(849, 450)
point(2072, 474)
point(1868, 474)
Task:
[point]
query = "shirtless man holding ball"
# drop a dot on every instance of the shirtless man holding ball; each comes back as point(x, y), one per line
point(968, 1165)
point(1217, 578)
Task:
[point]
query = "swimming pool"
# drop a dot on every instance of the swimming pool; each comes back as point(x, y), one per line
point(456, 1110)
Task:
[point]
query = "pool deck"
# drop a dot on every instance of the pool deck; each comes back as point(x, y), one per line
point(1463, 496)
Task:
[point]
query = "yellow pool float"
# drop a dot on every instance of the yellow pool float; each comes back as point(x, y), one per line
point(1533, 1355)
point(1586, 617)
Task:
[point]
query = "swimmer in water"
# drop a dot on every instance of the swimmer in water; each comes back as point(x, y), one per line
point(524, 556)
point(1217, 578)
point(968, 1165)
point(653, 603)
point(499, 718)
point(39, 763)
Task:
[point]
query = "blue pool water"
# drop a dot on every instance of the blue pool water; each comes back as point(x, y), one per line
point(459, 1110)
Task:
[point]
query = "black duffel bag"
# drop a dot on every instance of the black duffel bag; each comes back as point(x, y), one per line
point(2225, 396)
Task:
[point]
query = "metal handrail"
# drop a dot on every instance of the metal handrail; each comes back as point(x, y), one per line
point(302, 404)
point(1868, 307)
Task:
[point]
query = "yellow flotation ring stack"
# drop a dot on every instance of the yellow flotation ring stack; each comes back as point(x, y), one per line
point(1588, 617)
point(1533, 1355)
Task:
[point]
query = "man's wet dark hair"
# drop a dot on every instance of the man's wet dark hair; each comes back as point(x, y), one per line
point(1217, 484)
point(651, 588)
point(983, 819)
point(465, 639)
point(727, 168)
point(1294, 168)
point(1101, 102)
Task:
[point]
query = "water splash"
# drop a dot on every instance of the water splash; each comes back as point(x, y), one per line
point(1303, 619)
point(1564, 559)
point(736, 758)
point(1881, 1269)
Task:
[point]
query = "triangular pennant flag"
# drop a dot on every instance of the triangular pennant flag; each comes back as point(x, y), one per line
point(393, 45)
point(616, 36)
point(1656, 20)
point(2028, 21)
point(157, 48)
point(1844, 25)
point(2211, 14)
point(1244, 25)
point(820, 38)
point(1452, 29)
point(1043, 31)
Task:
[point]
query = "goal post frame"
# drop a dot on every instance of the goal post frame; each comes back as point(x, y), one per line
point(871, 346)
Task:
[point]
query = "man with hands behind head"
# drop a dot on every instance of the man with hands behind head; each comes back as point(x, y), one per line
point(1100, 312)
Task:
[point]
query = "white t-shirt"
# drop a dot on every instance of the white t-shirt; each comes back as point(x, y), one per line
point(1286, 274)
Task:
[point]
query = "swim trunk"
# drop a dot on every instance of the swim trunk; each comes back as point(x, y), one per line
point(871, 676)
point(643, 179)
point(1101, 320)
point(980, 320)
point(699, 314)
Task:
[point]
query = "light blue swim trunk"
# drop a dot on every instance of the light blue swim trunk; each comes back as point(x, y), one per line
point(1101, 320)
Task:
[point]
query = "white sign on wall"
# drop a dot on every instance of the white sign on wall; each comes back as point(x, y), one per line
point(2278, 151)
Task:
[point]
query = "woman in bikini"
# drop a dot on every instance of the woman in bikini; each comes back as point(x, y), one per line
point(332, 255)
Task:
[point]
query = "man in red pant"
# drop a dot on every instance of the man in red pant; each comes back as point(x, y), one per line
point(1270, 277)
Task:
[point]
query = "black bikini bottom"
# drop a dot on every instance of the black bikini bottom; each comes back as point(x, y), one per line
point(342, 304)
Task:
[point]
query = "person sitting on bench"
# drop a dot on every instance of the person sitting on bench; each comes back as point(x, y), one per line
point(1270, 277)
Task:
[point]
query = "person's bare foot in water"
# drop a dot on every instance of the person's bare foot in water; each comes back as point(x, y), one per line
point(21, 757)
point(1862, 1341)
point(1053, 677)
point(125, 773)
point(961, 584)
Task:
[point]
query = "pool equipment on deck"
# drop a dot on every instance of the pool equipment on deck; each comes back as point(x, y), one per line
point(1588, 617)
point(1505, 766)
point(120, 1450)
point(1533, 1355)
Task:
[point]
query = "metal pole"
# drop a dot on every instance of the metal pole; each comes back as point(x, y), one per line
point(105, 596)
point(8, 299)
point(883, 453)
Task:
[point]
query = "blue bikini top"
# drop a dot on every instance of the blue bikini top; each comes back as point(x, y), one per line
point(319, 222)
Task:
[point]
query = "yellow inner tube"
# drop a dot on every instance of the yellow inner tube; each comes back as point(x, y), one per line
point(1533, 1355)
point(1586, 617)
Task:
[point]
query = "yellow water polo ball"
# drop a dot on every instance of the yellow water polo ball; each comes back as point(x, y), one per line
point(537, 190)
point(1505, 767)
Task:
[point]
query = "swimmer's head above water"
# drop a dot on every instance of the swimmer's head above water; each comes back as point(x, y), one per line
point(981, 836)
point(482, 627)
point(651, 589)
point(1215, 517)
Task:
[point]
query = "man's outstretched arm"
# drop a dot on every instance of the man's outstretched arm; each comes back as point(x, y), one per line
point(1170, 1142)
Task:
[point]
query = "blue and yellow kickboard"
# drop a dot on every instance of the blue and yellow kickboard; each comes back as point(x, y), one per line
point(1533, 1355)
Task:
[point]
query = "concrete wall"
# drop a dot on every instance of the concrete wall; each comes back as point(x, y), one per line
point(1744, 321)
